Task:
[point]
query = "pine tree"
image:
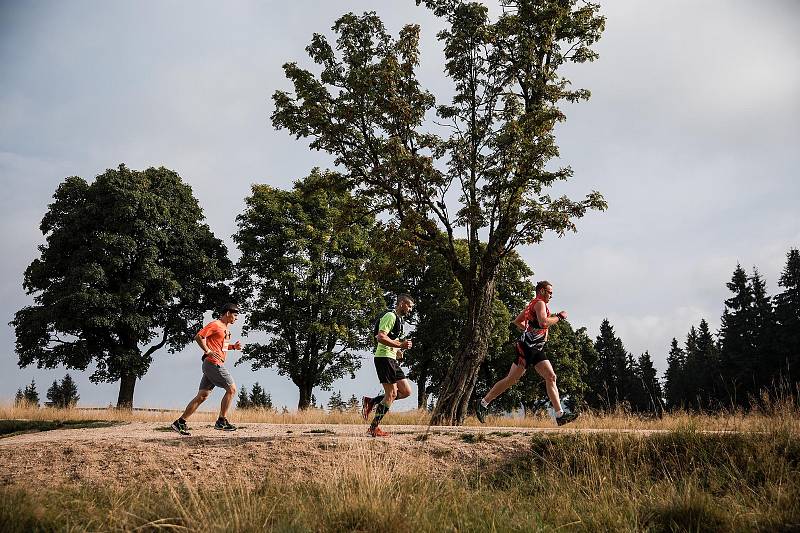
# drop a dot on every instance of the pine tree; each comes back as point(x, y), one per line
point(652, 387)
point(738, 350)
point(258, 397)
point(763, 334)
point(675, 388)
point(243, 401)
point(787, 317)
point(635, 394)
point(19, 399)
point(31, 395)
point(335, 402)
point(352, 404)
point(702, 369)
point(54, 395)
point(606, 382)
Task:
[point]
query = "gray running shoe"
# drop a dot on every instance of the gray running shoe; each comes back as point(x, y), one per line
point(480, 412)
point(566, 418)
point(223, 425)
point(180, 427)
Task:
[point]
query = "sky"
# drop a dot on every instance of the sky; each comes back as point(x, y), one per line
point(691, 134)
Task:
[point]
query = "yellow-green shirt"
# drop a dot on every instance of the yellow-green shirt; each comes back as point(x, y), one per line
point(387, 325)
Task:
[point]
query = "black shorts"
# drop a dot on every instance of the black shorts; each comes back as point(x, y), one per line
point(528, 356)
point(389, 370)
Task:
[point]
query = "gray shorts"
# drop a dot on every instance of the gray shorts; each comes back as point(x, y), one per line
point(215, 376)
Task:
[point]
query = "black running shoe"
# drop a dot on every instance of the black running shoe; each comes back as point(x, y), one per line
point(223, 425)
point(566, 418)
point(180, 427)
point(480, 412)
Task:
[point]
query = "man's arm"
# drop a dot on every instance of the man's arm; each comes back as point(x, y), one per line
point(201, 341)
point(544, 320)
point(383, 338)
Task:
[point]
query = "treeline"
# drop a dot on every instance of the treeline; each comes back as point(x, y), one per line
point(62, 394)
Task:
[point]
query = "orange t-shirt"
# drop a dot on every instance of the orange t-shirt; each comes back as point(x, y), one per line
point(216, 335)
point(530, 315)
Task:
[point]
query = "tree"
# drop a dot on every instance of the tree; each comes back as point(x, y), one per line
point(19, 399)
point(302, 273)
point(607, 382)
point(703, 370)
point(787, 317)
point(128, 267)
point(675, 388)
point(352, 404)
point(30, 395)
point(243, 400)
point(259, 398)
point(648, 379)
point(367, 108)
point(335, 402)
point(64, 394)
point(737, 341)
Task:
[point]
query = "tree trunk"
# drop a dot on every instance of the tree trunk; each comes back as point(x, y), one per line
point(456, 390)
point(127, 383)
point(305, 396)
point(422, 396)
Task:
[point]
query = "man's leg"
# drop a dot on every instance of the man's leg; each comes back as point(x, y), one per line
point(202, 395)
point(230, 392)
point(545, 369)
point(514, 374)
point(403, 389)
point(390, 393)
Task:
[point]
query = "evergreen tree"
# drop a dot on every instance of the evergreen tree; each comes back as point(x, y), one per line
point(787, 317)
point(606, 382)
point(675, 388)
point(352, 404)
point(636, 395)
point(243, 400)
point(703, 369)
point(737, 344)
point(19, 399)
point(31, 395)
point(259, 399)
point(335, 402)
point(764, 330)
point(652, 387)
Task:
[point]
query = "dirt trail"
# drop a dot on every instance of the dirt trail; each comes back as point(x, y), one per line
point(150, 454)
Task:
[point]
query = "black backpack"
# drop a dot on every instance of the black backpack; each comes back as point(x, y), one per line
point(397, 330)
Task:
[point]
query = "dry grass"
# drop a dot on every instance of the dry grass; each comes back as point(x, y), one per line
point(783, 414)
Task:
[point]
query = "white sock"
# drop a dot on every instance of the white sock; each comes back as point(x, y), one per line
point(559, 414)
point(484, 403)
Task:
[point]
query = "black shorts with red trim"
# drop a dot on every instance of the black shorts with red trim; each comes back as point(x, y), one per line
point(389, 370)
point(528, 356)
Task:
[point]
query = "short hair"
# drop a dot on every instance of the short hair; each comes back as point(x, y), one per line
point(232, 307)
point(405, 297)
point(542, 284)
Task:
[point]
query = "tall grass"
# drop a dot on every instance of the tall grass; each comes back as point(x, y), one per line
point(676, 481)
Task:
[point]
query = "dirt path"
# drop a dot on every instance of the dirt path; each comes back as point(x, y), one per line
point(150, 454)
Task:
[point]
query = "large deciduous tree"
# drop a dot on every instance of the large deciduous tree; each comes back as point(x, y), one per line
point(367, 108)
point(302, 275)
point(127, 268)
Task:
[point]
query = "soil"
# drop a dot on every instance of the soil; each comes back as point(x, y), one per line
point(151, 454)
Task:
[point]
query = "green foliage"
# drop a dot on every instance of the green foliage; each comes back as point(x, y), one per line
point(127, 259)
point(787, 317)
point(367, 108)
point(28, 397)
point(607, 381)
point(243, 400)
point(64, 394)
point(302, 273)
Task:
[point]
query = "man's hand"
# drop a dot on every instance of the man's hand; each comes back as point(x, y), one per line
point(562, 315)
point(235, 346)
point(406, 344)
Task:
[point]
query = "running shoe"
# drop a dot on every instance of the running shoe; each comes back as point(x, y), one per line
point(366, 407)
point(480, 412)
point(180, 427)
point(377, 432)
point(223, 425)
point(566, 418)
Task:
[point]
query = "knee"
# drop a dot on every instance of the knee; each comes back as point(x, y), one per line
point(203, 394)
point(231, 389)
point(392, 396)
point(551, 378)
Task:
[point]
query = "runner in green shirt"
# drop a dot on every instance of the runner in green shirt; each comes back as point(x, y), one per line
point(390, 348)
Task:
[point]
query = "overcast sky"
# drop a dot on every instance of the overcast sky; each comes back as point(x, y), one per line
point(692, 135)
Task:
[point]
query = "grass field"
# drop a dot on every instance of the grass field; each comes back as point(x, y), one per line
point(733, 472)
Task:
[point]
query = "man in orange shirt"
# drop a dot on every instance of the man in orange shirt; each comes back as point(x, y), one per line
point(214, 339)
point(533, 321)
